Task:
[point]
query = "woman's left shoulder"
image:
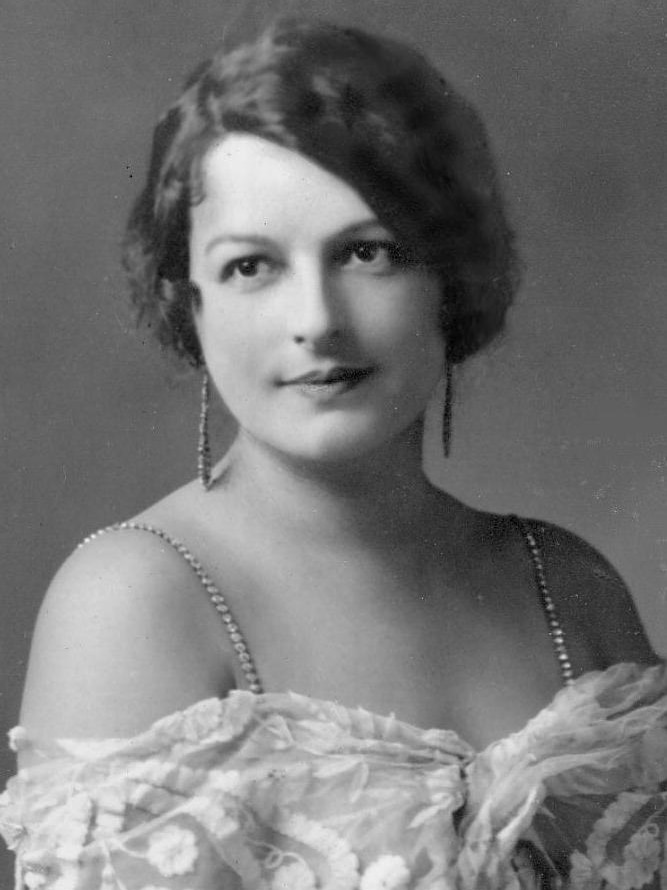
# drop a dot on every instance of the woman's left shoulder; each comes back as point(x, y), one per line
point(592, 597)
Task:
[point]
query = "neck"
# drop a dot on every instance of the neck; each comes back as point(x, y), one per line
point(380, 499)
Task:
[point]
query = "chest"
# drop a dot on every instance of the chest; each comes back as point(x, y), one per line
point(463, 650)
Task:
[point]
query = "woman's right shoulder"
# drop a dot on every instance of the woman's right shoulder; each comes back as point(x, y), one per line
point(124, 636)
point(136, 564)
point(122, 565)
point(141, 559)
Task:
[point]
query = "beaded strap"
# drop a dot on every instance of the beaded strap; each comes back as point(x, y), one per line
point(216, 597)
point(551, 612)
point(241, 648)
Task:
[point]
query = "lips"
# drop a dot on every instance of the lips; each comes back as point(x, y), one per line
point(339, 374)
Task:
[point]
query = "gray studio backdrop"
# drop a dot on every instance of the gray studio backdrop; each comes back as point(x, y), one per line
point(565, 419)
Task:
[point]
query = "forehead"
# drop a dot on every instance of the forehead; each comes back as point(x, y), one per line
point(250, 182)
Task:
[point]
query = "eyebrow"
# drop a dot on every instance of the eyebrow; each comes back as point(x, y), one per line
point(356, 228)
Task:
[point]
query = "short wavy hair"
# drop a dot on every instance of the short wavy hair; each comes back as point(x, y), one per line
point(369, 109)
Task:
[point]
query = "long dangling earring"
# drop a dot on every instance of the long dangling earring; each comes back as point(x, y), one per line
point(203, 445)
point(447, 410)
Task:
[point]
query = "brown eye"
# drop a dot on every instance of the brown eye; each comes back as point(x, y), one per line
point(247, 267)
point(380, 257)
point(366, 251)
point(253, 268)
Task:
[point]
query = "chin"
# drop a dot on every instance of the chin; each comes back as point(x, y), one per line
point(339, 445)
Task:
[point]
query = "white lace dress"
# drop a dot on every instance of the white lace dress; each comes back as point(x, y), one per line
point(283, 792)
point(267, 791)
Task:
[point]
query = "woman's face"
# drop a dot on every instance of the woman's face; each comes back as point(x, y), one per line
point(322, 340)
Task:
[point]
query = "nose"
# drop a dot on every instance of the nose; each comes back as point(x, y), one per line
point(316, 312)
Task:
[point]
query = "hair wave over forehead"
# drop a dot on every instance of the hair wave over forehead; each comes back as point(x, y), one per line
point(372, 111)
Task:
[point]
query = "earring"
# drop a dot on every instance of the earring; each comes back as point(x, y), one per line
point(203, 446)
point(447, 410)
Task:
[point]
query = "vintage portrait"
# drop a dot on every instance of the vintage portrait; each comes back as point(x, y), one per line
point(334, 409)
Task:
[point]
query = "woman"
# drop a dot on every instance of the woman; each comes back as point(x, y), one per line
point(321, 233)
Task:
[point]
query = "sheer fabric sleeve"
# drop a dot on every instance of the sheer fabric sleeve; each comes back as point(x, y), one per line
point(281, 792)
point(147, 812)
point(583, 786)
point(266, 792)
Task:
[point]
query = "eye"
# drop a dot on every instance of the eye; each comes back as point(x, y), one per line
point(378, 256)
point(368, 251)
point(248, 271)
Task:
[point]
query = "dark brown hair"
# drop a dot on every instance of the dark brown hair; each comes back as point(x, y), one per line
point(372, 111)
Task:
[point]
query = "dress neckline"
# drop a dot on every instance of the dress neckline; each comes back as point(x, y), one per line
point(591, 692)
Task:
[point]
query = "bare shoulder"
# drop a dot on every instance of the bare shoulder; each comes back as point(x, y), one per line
point(123, 637)
point(592, 597)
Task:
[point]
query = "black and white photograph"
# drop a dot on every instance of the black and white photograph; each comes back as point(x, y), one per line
point(333, 412)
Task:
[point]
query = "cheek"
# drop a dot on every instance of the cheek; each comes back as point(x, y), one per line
point(226, 349)
point(226, 336)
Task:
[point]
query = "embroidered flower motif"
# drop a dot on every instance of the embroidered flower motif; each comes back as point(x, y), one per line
point(644, 848)
point(227, 781)
point(33, 880)
point(294, 876)
point(386, 873)
point(344, 872)
point(172, 850)
point(342, 861)
point(641, 860)
point(217, 820)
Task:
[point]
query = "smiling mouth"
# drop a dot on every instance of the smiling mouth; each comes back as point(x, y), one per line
point(337, 380)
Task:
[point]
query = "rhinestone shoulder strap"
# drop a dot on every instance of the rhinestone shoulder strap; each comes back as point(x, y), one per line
point(548, 604)
point(236, 637)
point(241, 648)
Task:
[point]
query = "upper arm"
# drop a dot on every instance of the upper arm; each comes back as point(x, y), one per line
point(593, 600)
point(123, 637)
